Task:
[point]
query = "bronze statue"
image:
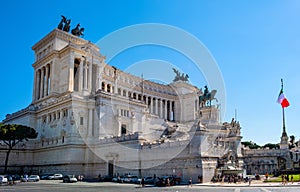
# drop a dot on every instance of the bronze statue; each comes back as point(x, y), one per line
point(180, 76)
point(67, 25)
point(64, 24)
point(205, 91)
point(61, 24)
point(77, 31)
point(207, 96)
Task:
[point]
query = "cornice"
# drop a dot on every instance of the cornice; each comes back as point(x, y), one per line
point(45, 59)
point(61, 35)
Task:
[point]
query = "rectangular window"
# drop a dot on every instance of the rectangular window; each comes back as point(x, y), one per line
point(44, 119)
point(81, 120)
point(123, 129)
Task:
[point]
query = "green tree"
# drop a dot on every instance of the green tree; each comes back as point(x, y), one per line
point(271, 146)
point(251, 145)
point(12, 134)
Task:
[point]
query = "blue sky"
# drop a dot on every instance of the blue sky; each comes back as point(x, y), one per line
point(255, 43)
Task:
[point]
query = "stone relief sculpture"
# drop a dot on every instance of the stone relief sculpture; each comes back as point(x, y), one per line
point(233, 126)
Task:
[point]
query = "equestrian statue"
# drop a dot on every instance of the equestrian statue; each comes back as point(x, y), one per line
point(207, 97)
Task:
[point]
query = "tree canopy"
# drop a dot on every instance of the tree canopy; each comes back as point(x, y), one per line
point(271, 146)
point(251, 145)
point(12, 134)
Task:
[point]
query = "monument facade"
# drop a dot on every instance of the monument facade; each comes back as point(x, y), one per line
point(93, 118)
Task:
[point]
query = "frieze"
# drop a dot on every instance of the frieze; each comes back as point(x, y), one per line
point(50, 56)
point(19, 113)
point(51, 102)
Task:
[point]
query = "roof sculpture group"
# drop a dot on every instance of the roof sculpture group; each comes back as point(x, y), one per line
point(180, 76)
point(64, 25)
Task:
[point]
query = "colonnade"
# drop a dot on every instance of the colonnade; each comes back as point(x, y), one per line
point(82, 75)
point(42, 82)
point(162, 107)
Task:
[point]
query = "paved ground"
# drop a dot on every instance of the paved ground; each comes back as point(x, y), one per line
point(58, 186)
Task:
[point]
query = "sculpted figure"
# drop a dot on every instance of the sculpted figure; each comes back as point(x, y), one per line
point(180, 76)
point(61, 24)
point(67, 25)
point(77, 31)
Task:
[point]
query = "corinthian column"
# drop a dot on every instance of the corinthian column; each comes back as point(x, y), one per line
point(42, 83)
point(80, 82)
point(161, 108)
point(46, 81)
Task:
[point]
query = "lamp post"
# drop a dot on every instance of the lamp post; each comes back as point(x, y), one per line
point(139, 159)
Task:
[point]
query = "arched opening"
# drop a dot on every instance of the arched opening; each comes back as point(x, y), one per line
point(108, 88)
point(103, 86)
point(76, 74)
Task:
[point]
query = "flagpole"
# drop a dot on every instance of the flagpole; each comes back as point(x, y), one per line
point(283, 116)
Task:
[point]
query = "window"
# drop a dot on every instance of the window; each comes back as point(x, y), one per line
point(44, 119)
point(124, 112)
point(123, 129)
point(103, 86)
point(81, 120)
point(65, 113)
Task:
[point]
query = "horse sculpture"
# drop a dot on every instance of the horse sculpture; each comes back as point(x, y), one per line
point(61, 24)
point(180, 76)
point(77, 31)
point(64, 24)
point(67, 25)
point(207, 97)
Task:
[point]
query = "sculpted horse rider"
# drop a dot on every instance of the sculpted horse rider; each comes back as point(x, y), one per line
point(207, 96)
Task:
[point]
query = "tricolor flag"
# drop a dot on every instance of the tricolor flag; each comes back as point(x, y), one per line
point(282, 100)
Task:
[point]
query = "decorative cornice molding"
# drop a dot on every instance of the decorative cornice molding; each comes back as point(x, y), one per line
point(57, 33)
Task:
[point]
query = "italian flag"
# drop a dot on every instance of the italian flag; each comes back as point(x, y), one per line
point(282, 100)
